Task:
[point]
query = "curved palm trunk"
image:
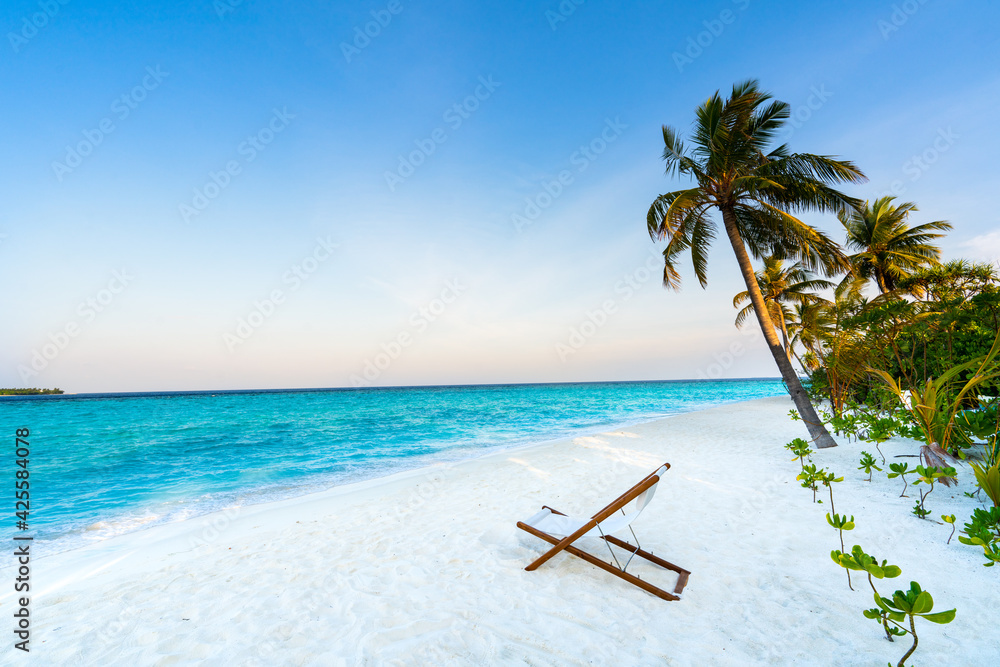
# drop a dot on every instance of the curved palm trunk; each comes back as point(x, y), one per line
point(820, 436)
point(784, 336)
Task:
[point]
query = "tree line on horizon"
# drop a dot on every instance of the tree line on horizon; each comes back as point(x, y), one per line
point(32, 391)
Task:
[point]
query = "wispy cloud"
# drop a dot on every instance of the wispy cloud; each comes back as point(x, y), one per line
point(984, 247)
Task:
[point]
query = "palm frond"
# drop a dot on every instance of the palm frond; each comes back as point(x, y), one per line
point(668, 210)
point(889, 250)
point(702, 235)
point(741, 316)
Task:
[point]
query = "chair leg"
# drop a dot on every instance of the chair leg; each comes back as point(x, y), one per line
point(683, 574)
point(597, 562)
point(560, 545)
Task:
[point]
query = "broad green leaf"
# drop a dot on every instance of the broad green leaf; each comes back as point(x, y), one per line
point(941, 617)
point(923, 604)
point(874, 570)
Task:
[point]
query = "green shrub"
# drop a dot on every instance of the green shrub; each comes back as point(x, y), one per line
point(868, 464)
point(983, 530)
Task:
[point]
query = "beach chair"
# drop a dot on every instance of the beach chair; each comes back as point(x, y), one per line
point(562, 531)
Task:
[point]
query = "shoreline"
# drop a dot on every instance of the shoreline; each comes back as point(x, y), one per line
point(76, 538)
point(426, 566)
point(423, 467)
point(169, 537)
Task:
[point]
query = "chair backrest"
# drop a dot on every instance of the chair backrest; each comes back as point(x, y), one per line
point(646, 496)
point(621, 517)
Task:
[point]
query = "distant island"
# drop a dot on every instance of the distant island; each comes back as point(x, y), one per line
point(29, 392)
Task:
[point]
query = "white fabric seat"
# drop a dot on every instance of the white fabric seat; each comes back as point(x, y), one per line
point(559, 525)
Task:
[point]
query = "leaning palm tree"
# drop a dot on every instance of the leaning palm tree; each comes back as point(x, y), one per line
point(781, 288)
point(755, 188)
point(889, 250)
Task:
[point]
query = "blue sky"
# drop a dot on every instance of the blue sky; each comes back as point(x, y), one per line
point(177, 174)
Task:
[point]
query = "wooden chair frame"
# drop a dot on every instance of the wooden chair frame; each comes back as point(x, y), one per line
point(566, 544)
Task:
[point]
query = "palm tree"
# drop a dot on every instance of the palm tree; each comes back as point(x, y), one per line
point(889, 250)
point(756, 189)
point(810, 326)
point(823, 328)
point(781, 288)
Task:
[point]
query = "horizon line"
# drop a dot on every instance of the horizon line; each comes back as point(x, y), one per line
point(193, 392)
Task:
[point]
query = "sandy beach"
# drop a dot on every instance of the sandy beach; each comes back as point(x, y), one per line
point(426, 567)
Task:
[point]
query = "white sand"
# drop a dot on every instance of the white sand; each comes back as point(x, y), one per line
point(427, 567)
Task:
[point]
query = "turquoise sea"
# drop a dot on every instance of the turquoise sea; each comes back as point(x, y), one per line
point(106, 464)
